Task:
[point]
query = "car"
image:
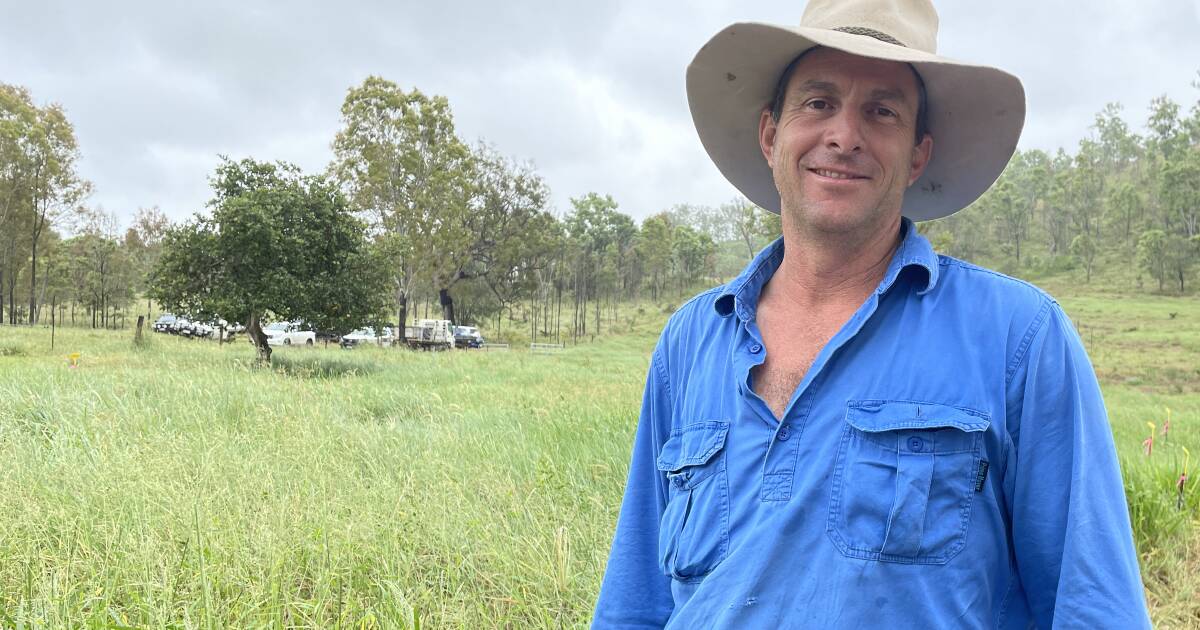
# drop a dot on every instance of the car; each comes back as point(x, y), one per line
point(467, 337)
point(289, 334)
point(164, 322)
point(368, 335)
point(181, 326)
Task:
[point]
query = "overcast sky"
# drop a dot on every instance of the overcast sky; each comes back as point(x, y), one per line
point(591, 93)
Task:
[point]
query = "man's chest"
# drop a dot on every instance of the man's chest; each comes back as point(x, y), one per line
point(790, 353)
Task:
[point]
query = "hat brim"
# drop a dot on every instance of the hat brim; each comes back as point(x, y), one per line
point(975, 113)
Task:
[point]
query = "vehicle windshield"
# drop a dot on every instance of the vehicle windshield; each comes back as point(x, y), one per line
point(366, 332)
point(280, 326)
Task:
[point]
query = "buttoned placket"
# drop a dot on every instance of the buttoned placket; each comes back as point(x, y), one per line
point(782, 452)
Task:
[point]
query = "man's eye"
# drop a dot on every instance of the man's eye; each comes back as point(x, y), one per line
point(817, 103)
point(885, 112)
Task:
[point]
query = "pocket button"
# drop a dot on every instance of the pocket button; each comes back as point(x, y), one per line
point(916, 444)
point(784, 433)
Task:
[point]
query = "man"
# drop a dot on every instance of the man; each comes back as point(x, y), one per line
point(857, 432)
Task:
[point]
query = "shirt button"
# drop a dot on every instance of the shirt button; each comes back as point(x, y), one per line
point(915, 444)
point(785, 432)
point(755, 348)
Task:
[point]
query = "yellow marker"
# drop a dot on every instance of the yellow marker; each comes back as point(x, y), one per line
point(73, 359)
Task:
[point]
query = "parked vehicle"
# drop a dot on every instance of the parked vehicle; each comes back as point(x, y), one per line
point(164, 322)
point(368, 336)
point(430, 334)
point(181, 326)
point(289, 334)
point(201, 330)
point(467, 337)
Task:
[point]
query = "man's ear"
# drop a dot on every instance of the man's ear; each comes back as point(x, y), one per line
point(921, 155)
point(766, 135)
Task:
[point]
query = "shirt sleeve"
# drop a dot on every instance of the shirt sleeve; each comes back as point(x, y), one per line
point(635, 592)
point(1070, 522)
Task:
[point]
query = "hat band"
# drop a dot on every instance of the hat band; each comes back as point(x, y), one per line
point(870, 32)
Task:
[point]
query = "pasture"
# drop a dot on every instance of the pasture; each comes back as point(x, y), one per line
point(175, 485)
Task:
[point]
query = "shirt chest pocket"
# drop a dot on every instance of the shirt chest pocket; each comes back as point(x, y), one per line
point(904, 480)
point(693, 536)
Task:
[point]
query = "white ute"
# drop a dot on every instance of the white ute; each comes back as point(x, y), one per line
point(289, 334)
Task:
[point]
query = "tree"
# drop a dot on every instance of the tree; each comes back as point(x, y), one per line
point(40, 153)
point(693, 253)
point(1122, 208)
point(602, 236)
point(1083, 247)
point(1181, 254)
point(277, 243)
point(745, 220)
point(1152, 255)
point(1179, 186)
point(143, 242)
point(398, 158)
point(654, 247)
point(1011, 214)
point(513, 236)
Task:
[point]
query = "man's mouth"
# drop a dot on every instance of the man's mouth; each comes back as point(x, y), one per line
point(824, 172)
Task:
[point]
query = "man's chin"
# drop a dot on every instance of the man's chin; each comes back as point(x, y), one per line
point(838, 218)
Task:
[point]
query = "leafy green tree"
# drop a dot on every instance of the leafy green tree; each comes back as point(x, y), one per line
point(404, 168)
point(514, 238)
point(1152, 255)
point(1181, 254)
point(745, 220)
point(1011, 215)
point(602, 236)
point(1179, 185)
point(654, 247)
point(1123, 207)
point(277, 243)
point(37, 176)
point(1083, 247)
point(693, 254)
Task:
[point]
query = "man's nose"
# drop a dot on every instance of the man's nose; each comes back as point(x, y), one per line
point(844, 133)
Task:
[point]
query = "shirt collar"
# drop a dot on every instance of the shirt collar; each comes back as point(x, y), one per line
point(740, 295)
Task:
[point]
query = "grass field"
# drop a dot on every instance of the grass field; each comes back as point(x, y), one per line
point(175, 485)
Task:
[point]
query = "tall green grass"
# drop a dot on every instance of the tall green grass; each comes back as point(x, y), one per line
point(175, 485)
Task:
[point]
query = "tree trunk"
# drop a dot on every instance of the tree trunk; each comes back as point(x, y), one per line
point(33, 281)
point(137, 336)
point(258, 338)
point(447, 303)
point(402, 317)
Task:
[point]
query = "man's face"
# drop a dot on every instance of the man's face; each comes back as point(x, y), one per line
point(843, 150)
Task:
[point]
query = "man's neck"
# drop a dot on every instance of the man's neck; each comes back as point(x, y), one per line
point(823, 271)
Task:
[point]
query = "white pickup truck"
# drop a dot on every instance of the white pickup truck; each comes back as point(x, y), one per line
point(289, 334)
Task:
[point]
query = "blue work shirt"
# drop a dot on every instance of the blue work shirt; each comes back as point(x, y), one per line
point(946, 462)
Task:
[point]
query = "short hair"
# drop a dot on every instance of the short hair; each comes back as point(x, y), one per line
point(922, 98)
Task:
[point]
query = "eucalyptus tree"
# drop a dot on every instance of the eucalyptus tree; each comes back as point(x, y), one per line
point(39, 185)
point(403, 167)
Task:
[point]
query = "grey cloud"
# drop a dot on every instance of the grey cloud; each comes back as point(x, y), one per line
point(592, 93)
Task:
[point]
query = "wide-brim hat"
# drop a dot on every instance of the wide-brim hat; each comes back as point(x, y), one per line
point(975, 113)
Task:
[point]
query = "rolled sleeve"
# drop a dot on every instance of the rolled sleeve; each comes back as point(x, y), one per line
point(635, 592)
point(1071, 535)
